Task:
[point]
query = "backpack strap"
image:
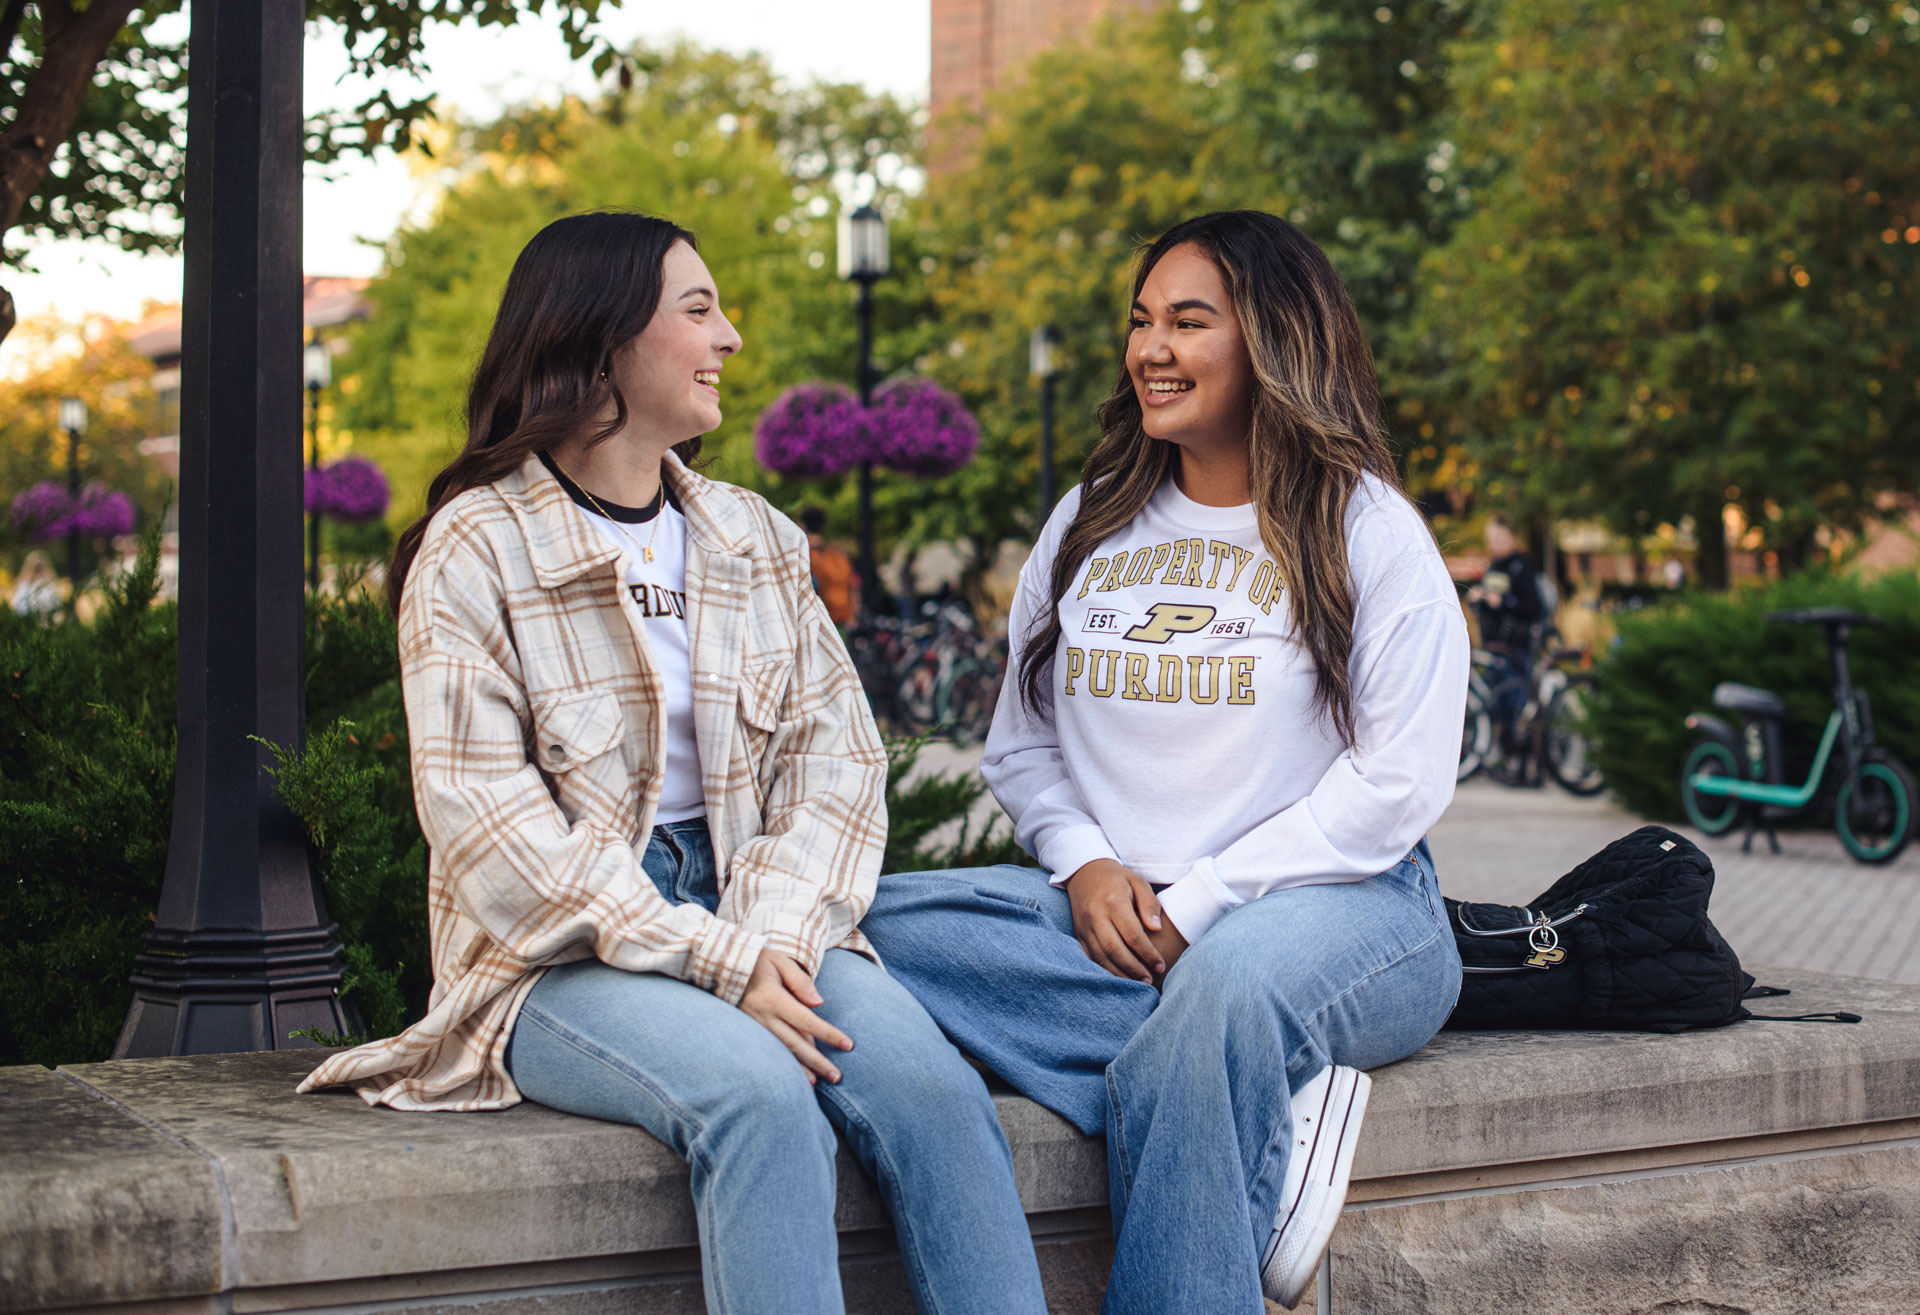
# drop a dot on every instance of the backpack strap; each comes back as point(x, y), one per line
point(1763, 992)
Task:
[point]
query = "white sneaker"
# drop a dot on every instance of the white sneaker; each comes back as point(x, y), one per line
point(1326, 1128)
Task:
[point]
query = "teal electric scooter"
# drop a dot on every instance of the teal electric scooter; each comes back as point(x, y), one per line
point(1731, 776)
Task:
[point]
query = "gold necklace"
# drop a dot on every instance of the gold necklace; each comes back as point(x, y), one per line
point(646, 549)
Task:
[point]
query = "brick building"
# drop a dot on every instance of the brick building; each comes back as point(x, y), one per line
point(978, 42)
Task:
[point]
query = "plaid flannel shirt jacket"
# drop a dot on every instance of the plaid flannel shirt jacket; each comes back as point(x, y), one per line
point(533, 710)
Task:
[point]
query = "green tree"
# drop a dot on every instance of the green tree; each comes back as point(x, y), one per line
point(1346, 109)
point(1688, 283)
point(93, 105)
point(716, 142)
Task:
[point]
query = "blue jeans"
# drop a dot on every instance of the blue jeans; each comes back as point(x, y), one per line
point(1191, 1086)
point(734, 1103)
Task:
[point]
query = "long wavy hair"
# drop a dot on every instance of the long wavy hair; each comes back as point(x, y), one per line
point(584, 285)
point(1316, 430)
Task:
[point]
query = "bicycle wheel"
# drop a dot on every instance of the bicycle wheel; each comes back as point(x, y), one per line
point(1476, 735)
point(966, 699)
point(917, 695)
point(1874, 811)
point(1569, 749)
point(1711, 813)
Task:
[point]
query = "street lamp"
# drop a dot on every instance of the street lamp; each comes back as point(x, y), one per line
point(73, 419)
point(318, 366)
point(1044, 356)
point(863, 259)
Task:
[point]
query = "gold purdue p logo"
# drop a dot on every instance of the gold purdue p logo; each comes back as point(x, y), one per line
point(1165, 620)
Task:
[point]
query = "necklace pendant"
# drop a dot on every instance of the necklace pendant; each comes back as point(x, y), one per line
point(648, 552)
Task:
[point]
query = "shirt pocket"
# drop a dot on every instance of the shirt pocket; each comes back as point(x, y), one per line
point(572, 730)
point(575, 739)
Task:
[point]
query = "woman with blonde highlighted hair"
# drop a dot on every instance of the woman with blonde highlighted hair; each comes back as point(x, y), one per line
point(1234, 710)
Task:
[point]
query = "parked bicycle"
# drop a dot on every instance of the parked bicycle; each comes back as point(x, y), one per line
point(1732, 776)
point(934, 672)
point(1549, 734)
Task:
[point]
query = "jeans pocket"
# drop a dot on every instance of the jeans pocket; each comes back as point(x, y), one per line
point(1412, 878)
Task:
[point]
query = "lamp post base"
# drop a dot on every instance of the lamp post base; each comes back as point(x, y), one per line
point(219, 992)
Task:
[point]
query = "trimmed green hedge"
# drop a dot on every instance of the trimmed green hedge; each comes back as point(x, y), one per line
point(1670, 657)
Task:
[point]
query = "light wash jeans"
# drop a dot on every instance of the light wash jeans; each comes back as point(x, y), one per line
point(1192, 1087)
point(734, 1103)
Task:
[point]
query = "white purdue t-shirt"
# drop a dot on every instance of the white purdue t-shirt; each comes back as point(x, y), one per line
point(1183, 738)
point(657, 590)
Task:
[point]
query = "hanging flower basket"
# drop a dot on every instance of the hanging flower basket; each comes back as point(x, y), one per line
point(46, 512)
point(350, 489)
point(919, 428)
point(811, 431)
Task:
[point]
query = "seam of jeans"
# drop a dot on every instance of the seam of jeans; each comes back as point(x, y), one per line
point(567, 1036)
point(1117, 1133)
point(903, 1231)
point(1315, 1018)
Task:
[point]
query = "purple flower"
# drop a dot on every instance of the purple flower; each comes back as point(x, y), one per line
point(812, 430)
point(103, 513)
point(350, 489)
point(38, 509)
point(919, 428)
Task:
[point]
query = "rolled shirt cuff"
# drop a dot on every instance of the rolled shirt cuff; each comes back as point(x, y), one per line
point(723, 958)
point(1198, 900)
point(1071, 849)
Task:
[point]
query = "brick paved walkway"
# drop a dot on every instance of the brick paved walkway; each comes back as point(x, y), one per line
point(1808, 907)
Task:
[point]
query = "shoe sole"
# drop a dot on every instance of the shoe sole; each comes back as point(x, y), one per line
point(1329, 1162)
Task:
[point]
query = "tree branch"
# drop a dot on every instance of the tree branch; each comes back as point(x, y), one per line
point(52, 101)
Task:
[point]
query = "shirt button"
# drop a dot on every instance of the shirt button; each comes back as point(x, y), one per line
point(724, 587)
point(556, 752)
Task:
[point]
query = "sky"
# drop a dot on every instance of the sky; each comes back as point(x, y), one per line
point(885, 44)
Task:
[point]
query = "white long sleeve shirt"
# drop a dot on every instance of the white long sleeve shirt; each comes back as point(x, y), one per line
point(1183, 739)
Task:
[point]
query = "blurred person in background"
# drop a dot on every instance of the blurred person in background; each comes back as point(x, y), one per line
point(37, 591)
point(1509, 605)
point(833, 576)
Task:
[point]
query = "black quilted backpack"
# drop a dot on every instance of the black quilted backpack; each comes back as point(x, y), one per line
point(1621, 943)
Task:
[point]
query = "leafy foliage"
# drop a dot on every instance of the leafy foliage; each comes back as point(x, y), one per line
point(86, 796)
point(89, 360)
point(930, 818)
point(1685, 284)
point(717, 142)
point(120, 174)
point(1670, 658)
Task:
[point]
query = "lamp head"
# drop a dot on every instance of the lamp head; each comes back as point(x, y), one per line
point(1044, 352)
point(73, 414)
point(319, 365)
point(863, 244)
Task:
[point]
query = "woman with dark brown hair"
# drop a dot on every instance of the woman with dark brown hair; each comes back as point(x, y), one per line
point(654, 800)
point(1233, 712)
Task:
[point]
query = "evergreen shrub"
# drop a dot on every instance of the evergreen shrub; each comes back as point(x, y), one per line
point(1669, 658)
point(86, 797)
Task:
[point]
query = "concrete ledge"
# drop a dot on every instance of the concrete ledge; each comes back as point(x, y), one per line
point(1738, 1170)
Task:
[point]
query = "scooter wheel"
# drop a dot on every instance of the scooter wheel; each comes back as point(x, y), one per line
point(1713, 814)
point(1874, 812)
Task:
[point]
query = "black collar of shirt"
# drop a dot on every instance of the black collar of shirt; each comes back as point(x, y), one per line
point(611, 510)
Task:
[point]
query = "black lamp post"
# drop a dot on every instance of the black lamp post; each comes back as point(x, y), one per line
point(73, 419)
point(1045, 358)
point(318, 364)
point(241, 952)
point(863, 259)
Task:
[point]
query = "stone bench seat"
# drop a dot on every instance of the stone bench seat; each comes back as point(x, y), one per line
point(1763, 1167)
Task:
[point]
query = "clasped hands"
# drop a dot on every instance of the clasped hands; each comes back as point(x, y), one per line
point(1118, 922)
